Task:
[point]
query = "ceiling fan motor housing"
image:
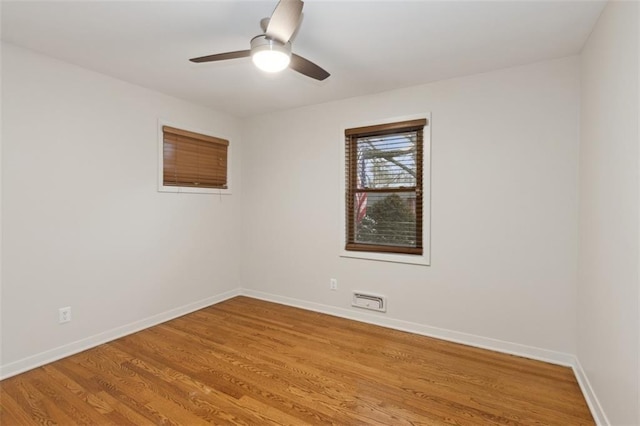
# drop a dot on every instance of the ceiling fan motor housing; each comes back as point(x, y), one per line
point(262, 42)
point(270, 55)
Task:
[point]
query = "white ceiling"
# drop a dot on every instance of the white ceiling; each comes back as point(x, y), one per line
point(367, 46)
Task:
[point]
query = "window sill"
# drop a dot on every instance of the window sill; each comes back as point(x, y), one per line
point(193, 190)
point(411, 259)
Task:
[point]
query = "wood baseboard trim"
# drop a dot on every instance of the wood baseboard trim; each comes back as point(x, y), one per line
point(66, 350)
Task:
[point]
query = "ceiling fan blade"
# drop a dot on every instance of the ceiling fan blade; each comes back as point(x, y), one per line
point(264, 23)
point(308, 68)
point(284, 20)
point(222, 56)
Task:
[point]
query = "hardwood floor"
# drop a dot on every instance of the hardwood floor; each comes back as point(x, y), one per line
point(246, 361)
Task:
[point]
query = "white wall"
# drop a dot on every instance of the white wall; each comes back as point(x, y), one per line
point(504, 206)
point(83, 224)
point(608, 318)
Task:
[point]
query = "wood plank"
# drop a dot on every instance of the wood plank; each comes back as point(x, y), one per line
point(247, 362)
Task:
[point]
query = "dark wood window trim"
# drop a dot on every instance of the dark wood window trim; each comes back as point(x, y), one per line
point(193, 160)
point(355, 191)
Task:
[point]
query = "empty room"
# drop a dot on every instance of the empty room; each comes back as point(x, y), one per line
point(320, 212)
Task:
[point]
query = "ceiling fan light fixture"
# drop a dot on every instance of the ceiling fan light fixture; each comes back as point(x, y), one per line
point(270, 55)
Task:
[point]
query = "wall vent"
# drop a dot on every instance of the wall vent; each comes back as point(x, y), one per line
point(373, 302)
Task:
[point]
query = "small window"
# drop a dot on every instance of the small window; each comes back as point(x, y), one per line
point(384, 179)
point(193, 160)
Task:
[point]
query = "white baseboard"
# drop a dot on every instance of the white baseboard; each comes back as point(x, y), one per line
point(589, 395)
point(64, 351)
point(531, 352)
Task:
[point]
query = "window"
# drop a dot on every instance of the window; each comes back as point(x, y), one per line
point(193, 160)
point(384, 188)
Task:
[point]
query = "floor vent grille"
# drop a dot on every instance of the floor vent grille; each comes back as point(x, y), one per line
point(372, 302)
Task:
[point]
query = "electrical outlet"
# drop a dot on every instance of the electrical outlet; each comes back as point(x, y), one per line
point(333, 284)
point(64, 314)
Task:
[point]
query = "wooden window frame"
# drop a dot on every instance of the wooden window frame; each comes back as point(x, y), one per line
point(205, 136)
point(353, 249)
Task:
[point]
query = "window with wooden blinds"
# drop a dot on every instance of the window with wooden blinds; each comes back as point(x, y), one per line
point(193, 160)
point(384, 179)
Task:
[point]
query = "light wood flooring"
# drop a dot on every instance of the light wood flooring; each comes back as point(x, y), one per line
point(246, 361)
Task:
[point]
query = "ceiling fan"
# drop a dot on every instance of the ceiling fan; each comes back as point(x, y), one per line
point(271, 50)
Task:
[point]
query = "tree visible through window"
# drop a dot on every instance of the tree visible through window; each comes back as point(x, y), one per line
point(384, 187)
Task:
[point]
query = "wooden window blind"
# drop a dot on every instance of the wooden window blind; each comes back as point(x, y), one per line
point(384, 178)
point(194, 160)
